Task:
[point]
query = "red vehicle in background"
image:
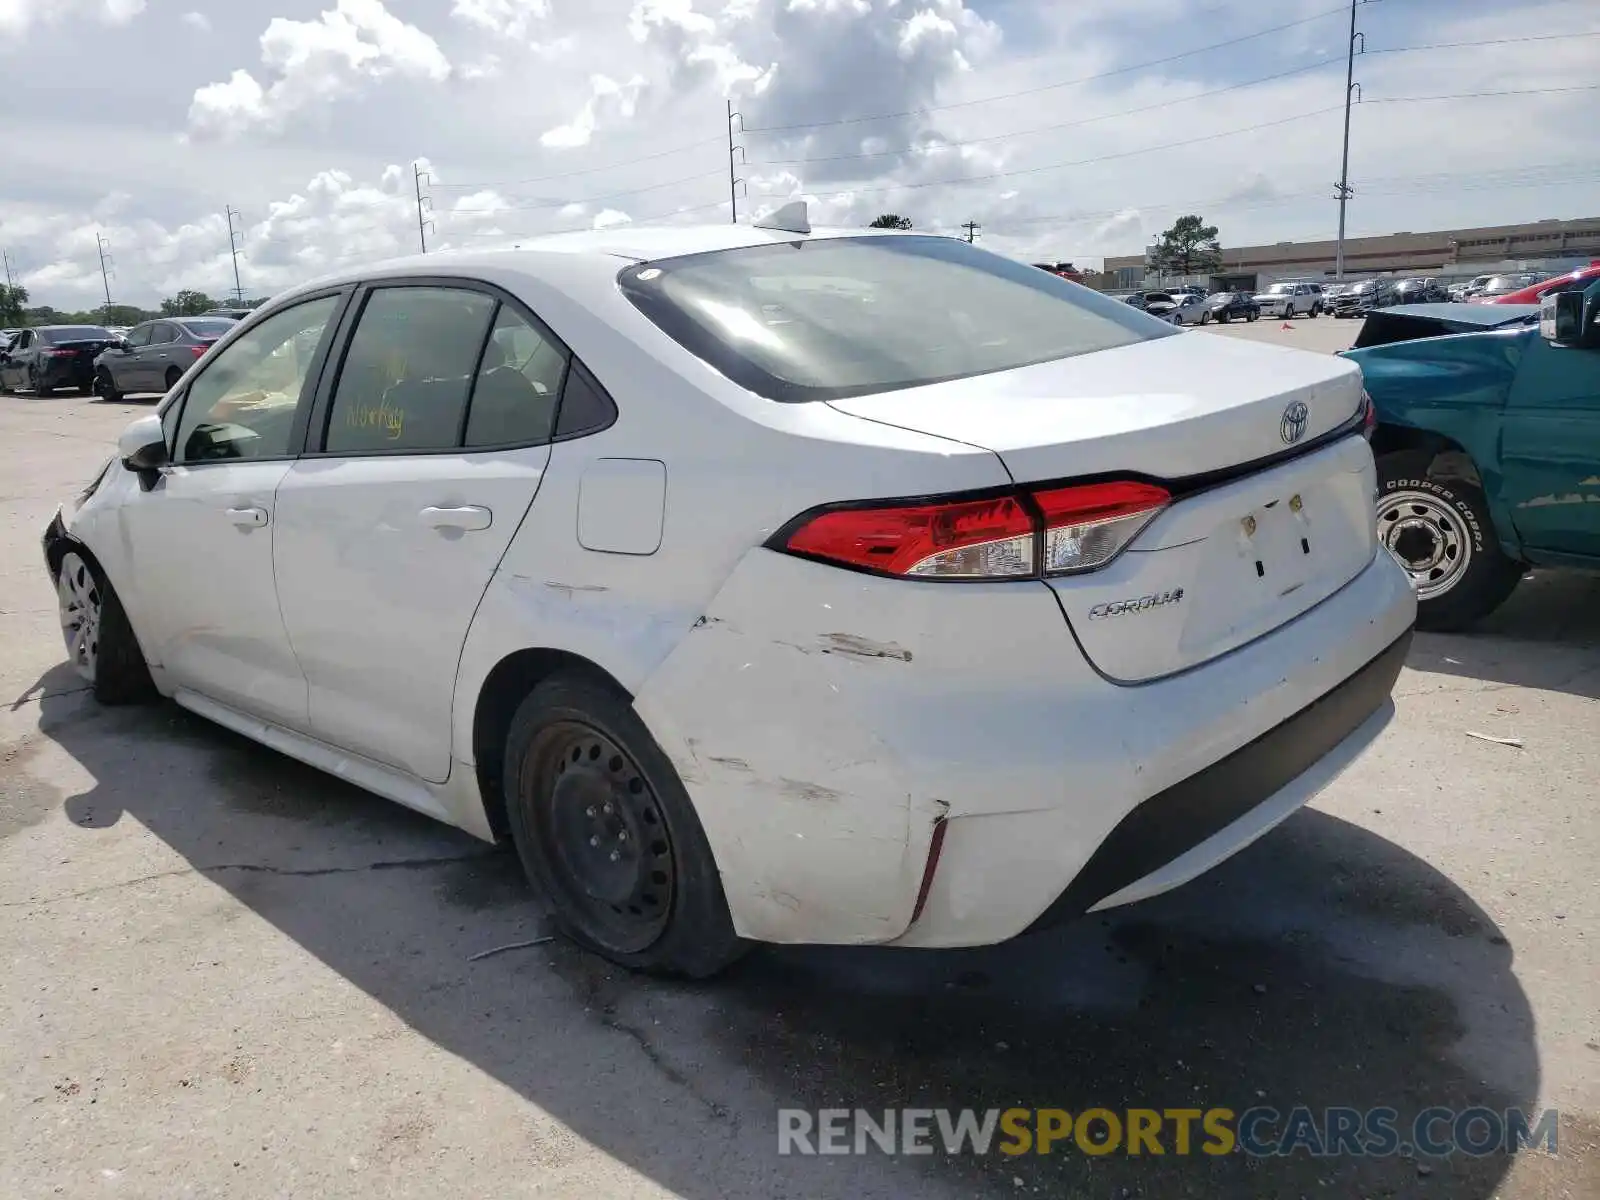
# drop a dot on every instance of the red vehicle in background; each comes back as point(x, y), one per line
point(1571, 281)
point(1064, 269)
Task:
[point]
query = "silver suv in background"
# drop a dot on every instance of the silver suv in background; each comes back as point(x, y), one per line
point(1291, 300)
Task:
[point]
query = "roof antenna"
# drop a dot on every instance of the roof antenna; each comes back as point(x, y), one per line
point(791, 218)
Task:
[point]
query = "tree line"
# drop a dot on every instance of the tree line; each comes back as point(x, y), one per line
point(16, 313)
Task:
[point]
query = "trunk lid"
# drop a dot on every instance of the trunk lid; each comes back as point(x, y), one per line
point(1245, 546)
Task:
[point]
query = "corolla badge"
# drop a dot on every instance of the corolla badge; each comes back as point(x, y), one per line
point(1293, 426)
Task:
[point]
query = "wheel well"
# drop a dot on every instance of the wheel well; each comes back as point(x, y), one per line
point(1450, 460)
point(503, 691)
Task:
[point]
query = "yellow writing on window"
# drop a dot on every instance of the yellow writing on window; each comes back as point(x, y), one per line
point(377, 416)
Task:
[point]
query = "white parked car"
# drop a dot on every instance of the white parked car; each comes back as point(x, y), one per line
point(1179, 308)
point(1291, 300)
point(760, 584)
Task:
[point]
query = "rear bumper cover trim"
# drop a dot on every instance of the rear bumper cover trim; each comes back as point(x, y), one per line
point(1174, 821)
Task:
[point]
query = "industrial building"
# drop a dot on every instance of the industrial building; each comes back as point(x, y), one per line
point(1452, 253)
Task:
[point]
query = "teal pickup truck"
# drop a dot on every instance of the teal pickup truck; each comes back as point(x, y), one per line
point(1488, 445)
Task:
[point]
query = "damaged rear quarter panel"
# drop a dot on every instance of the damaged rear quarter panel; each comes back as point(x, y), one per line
point(823, 720)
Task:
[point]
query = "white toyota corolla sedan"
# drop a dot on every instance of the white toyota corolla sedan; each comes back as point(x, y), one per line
point(760, 584)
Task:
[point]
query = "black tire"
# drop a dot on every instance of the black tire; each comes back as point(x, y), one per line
point(1223, 318)
point(1205, 317)
point(1316, 311)
point(584, 782)
point(173, 375)
point(105, 386)
point(1253, 316)
point(38, 389)
point(1452, 545)
point(120, 674)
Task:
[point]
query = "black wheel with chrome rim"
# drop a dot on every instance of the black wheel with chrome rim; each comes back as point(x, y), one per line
point(605, 828)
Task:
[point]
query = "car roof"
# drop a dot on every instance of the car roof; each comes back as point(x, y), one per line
point(614, 246)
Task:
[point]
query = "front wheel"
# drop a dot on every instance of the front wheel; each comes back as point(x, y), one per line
point(1316, 311)
point(1205, 317)
point(100, 643)
point(605, 829)
point(105, 386)
point(1440, 531)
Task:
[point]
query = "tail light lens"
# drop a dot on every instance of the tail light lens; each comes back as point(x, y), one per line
point(1021, 536)
point(1086, 527)
point(969, 539)
point(200, 350)
point(1369, 415)
point(58, 353)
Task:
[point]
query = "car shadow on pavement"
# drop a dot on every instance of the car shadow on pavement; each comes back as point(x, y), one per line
point(1323, 967)
point(1547, 636)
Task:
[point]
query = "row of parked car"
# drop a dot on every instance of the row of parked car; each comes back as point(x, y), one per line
point(150, 357)
point(1190, 304)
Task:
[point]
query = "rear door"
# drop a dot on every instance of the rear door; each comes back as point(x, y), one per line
point(424, 455)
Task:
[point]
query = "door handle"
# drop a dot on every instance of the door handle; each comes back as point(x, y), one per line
point(468, 516)
point(248, 518)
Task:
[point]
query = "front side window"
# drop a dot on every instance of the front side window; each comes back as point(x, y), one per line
point(243, 403)
point(409, 371)
point(826, 318)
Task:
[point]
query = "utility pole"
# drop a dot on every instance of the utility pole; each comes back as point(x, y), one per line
point(972, 228)
point(422, 225)
point(233, 248)
point(7, 258)
point(105, 275)
point(1342, 189)
point(733, 180)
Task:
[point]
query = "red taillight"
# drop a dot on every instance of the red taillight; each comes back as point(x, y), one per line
point(1087, 526)
point(202, 348)
point(965, 539)
point(1005, 537)
point(1369, 415)
point(58, 353)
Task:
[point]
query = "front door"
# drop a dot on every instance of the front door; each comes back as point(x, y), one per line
point(1550, 449)
point(130, 369)
point(425, 456)
point(202, 535)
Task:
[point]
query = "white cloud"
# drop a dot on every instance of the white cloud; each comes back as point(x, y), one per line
point(608, 217)
point(197, 21)
point(862, 106)
point(314, 63)
point(608, 100)
point(17, 15)
point(513, 19)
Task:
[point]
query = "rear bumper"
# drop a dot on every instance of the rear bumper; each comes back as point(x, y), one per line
point(826, 723)
point(67, 373)
point(1175, 822)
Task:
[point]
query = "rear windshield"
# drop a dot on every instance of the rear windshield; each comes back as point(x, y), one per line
point(74, 333)
point(215, 327)
point(834, 317)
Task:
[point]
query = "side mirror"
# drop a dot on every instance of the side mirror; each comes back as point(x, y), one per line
point(143, 445)
point(1571, 320)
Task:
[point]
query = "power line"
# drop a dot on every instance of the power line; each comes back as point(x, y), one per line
point(1049, 87)
point(1147, 108)
point(1546, 91)
point(575, 174)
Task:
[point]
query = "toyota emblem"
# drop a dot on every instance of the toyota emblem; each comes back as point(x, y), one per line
point(1293, 426)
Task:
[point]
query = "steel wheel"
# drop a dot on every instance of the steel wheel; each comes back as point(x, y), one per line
point(81, 607)
point(1428, 538)
point(603, 835)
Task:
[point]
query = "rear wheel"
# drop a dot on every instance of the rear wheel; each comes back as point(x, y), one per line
point(173, 375)
point(39, 389)
point(1440, 531)
point(604, 827)
point(100, 643)
point(105, 386)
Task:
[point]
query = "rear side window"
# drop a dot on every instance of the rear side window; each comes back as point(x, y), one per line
point(832, 317)
point(518, 385)
point(209, 328)
point(409, 370)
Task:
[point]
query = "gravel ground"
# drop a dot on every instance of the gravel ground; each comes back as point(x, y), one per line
point(228, 975)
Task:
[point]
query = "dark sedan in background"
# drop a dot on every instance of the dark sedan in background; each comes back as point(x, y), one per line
point(154, 356)
point(1362, 297)
point(53, 356)
point(1419, 290)
point(1229, 306)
